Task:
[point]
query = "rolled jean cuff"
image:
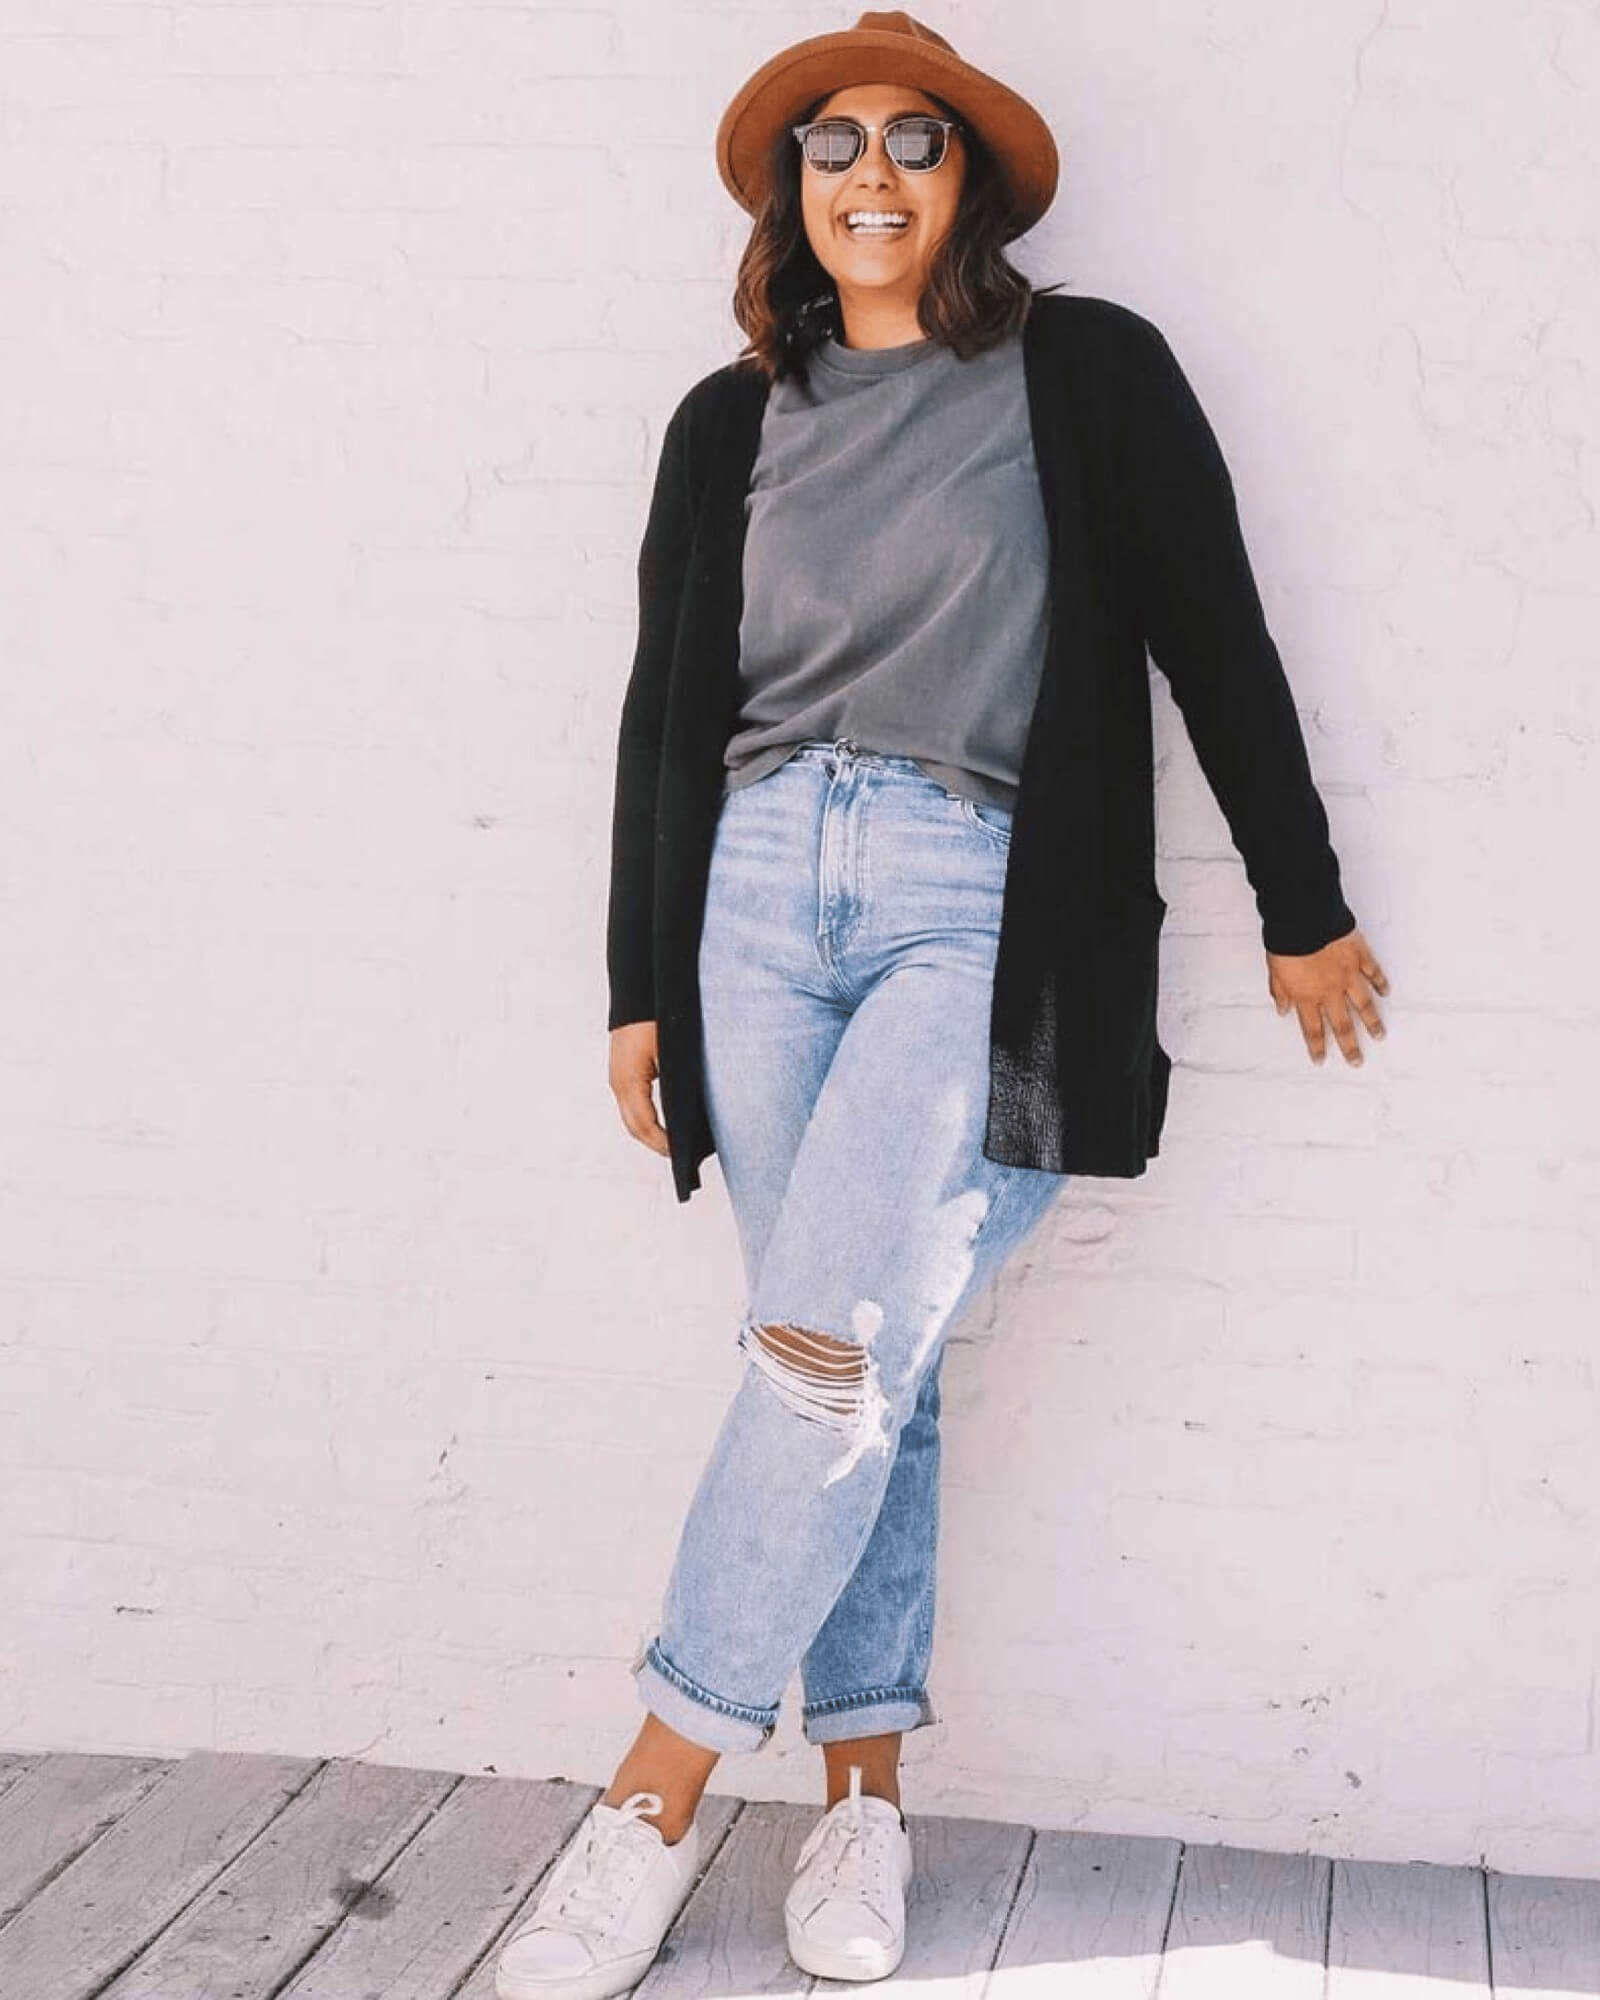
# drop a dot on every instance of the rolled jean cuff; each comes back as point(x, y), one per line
point(879, 1712)
point(695, 1712)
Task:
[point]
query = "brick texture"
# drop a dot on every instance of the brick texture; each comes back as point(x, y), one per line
point(355, 1366)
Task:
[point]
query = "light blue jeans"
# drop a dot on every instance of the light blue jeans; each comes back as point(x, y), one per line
point(846, 968)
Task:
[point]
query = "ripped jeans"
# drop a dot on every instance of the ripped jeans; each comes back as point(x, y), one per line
point(846, 967)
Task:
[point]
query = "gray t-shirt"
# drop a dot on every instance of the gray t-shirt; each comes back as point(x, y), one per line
point(896, 566)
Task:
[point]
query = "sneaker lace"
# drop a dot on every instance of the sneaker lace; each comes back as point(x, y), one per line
point(605, 1868)
point(849, 1861)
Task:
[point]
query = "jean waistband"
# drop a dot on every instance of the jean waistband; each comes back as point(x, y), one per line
point(845, 749)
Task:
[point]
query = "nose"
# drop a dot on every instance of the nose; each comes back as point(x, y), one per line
point(874, 167)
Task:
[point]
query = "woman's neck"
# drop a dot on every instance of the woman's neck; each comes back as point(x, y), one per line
point(872, 321)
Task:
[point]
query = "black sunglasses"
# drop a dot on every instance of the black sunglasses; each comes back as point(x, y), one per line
point(916, 144)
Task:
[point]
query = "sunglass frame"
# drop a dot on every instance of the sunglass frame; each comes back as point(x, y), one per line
point(862, 130)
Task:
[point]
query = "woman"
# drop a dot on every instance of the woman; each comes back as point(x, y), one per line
point(901, 984)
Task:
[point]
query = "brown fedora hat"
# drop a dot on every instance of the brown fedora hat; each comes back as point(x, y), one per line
point(886, 48)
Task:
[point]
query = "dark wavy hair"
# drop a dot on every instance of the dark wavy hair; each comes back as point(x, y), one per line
point(786, 303)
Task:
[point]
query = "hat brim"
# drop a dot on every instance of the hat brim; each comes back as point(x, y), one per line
point(779, 91)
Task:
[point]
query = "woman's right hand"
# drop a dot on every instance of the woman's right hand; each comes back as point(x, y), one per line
point(635, 1064)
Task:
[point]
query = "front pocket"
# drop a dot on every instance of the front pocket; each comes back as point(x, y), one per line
point(994, 820)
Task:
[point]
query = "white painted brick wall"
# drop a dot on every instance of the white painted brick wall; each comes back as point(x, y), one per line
point(356, 1368)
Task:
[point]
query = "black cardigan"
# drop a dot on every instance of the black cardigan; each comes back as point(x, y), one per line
point(1146, 552)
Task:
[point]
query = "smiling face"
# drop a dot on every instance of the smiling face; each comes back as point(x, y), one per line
point(888, 264)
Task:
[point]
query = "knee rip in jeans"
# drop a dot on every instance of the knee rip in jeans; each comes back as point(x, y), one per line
point(826, 1380)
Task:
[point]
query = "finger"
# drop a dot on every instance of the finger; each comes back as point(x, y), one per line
point(1375, 972)
point(1310, 1013)
point(1367, 1008)
point(639, 1112)
point(650, 1132)
point(628, 1109)
point(1344, 1031)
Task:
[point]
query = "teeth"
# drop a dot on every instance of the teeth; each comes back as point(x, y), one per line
point(872, 218)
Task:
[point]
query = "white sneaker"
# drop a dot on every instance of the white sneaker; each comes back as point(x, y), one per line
point(845, 1912)
point(604, 1909)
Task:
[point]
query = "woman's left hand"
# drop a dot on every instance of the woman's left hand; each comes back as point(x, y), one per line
point(1337, 981)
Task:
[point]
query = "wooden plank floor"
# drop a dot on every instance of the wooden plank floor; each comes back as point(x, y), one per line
point(214, 1877)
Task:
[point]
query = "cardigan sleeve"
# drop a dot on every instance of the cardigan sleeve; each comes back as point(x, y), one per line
point(1207, 633)
point(663, 559)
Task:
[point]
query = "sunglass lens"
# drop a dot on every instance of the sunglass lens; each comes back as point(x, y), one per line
point(831, 147)
point(917, 144)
